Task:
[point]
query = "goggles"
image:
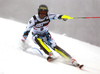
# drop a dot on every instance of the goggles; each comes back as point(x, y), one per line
point(43, 13)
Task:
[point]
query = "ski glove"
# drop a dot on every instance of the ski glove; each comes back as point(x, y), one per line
point(24, 38)
point(25, 35)
point(64, 19)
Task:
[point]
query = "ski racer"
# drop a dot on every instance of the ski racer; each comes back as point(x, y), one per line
point(41, 35)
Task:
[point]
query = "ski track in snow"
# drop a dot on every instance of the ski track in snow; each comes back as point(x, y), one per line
point(13, 59)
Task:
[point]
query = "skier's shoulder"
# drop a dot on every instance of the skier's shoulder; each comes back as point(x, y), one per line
point(32, 19)
point(35, 16)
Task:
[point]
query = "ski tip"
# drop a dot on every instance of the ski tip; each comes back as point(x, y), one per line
point(81, 66)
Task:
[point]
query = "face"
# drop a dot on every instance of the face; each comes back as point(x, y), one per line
point(42, 14)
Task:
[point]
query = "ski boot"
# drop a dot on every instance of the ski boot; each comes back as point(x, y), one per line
point(51, 57)
point(74, 63)
point(80, 66)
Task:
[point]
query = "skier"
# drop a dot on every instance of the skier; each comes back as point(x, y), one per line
point(41, 36)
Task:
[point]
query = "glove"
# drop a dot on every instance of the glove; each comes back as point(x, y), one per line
point(64, 19)
point(23, 38)
point(25, 35)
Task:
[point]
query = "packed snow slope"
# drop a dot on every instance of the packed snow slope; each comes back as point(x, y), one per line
point(13, 59)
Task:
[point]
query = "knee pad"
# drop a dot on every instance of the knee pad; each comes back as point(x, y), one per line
point(52, 44)
point(34, 38)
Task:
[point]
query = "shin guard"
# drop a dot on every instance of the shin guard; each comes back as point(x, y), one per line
point(42, 45)
point(62, 52)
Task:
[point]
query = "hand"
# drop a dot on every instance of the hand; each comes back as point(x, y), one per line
point(23, 39)
point(64, 19)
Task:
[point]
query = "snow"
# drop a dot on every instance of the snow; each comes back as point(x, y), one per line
point(13, 59)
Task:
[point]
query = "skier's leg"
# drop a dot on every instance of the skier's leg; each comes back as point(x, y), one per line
point(50, 41)
point(45, 48)
point(39, 40)
point(62, 52)
point(42, 45)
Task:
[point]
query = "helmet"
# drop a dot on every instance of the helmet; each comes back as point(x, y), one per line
point(42, 8)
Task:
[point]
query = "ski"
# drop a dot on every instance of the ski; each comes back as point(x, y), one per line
point(50, 59)
point(81, 66)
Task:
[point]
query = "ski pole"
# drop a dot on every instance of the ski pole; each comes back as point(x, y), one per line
point(68, 17)
point(84, 17)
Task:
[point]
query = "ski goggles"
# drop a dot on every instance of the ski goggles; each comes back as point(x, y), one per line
point(43, 13)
